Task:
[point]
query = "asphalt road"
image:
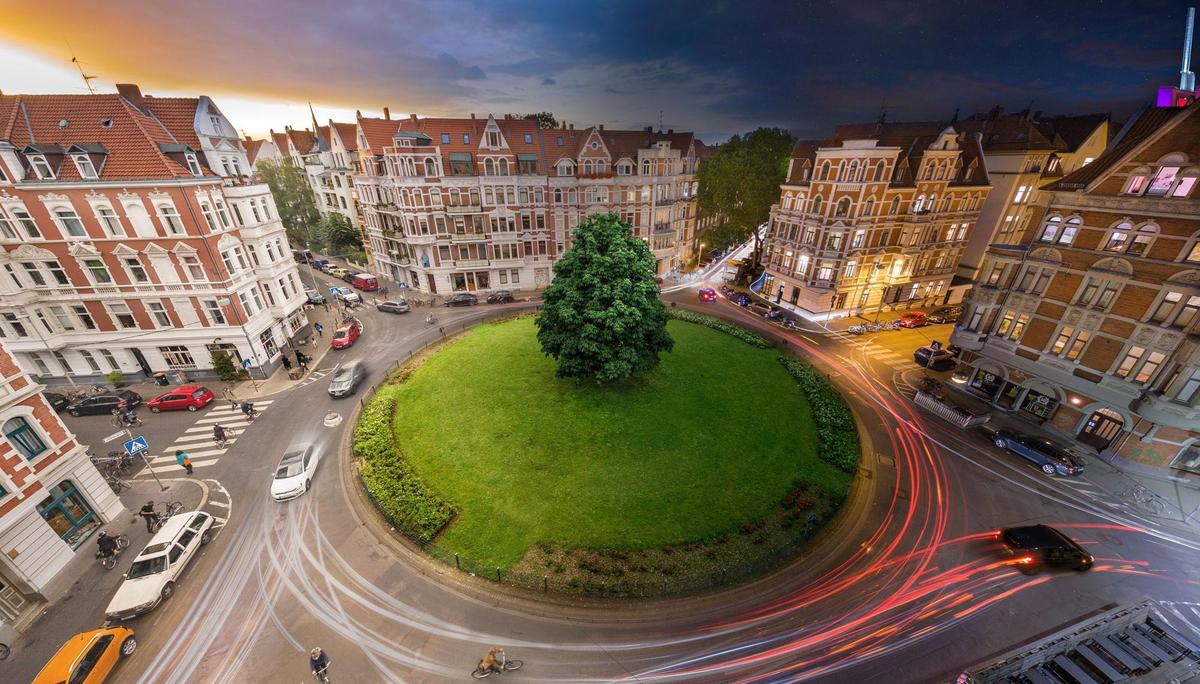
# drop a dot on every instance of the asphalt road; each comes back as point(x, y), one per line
point(911, 590)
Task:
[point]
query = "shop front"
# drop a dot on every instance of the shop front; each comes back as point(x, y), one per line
point(986, 384)
point(68, 513)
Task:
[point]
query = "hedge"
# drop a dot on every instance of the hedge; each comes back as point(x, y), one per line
point(410, 506)
point(836, 433)
point(718, 324)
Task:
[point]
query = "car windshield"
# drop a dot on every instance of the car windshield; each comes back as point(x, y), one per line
point(144, 567)
point(344, 374)
point(340, 334)
point(199, 393)
point(289, 467)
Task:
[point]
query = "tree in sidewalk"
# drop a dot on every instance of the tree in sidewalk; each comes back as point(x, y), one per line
point(337, 235)
point(601, 318)
point(225, 368)
point(740, 182)
point(293, 199)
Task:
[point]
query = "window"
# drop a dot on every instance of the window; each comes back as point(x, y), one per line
point(825, 271)
point(85, 166)
point(816, 205)
point(1194, 253)
point(445, 138)
point(824, 175)
point(1189, 391)
point(1006, 323)
point(91, 361)
point(110, 359)
point(528, 138)
point(1022, 194)
point(1184, 187)
point(1187, 313)
point(1163, 180)
point(223, 214)
point(1060, 342)
point(1018, 327)
point(120, 310)
point(110, 222)
point(15, 323)
point(1141, 240)
point(170, 218)
point(843, 207)
point(193, 164)
point(1132, 357)
point(466, 138)
point(1136, 182)
point(41, 167)
point(159, 313)
point(98, 270)
point(35, 275)
point(70, 222)
point(84, 316)
point(213, 309)
point(209, 217)
point(851, 269)
point(24, 438)
point(191, 264)
point(1163, 311)
point(27, 223)
point(136, 271)
point(859, 238)
point(177, 357)
point(493, 139)
point(1117, 238)
point(1106, 295)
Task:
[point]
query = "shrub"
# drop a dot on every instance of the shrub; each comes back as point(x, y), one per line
point(411, 506)
point(720, 325)
point(115, 377)
point(836, 433)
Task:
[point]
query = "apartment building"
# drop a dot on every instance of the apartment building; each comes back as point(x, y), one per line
point(134, 239)
point(52, 499)
point(1023, 152)
point(455, 205)
point(1090, 324)
point(329, 158)
point(874, 218)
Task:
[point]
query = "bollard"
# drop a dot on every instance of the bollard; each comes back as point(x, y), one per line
point(457, 564)
point(497, 574)
point(545, 584)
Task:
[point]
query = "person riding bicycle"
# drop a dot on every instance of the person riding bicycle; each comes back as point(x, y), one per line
point(107, 544)
point(493, 660)
point(248, 409)
point(318, 662)
point(219, 433)
point(125, 412)
point(430, 319)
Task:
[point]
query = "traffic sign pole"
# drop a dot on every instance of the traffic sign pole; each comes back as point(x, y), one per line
point(142, 453)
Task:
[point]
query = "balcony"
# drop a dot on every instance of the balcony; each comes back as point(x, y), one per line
point(471, 263)
point(661, 228)
point(464, 208)
point(421, 239)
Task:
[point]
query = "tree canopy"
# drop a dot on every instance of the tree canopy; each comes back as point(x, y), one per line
point(293, 198)
point(545, 120)
point(336, 235)
point(740, 182)
point(601, 318)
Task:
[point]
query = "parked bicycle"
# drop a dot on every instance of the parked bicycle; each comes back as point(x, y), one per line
point(164, 511)
point(1144, 499)
point(857, 329)
point(125, 419)
point(117, 484)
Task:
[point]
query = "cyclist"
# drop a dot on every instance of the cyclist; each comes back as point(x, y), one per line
point(318, 662)
point(248, 409)
point(219, 434)
point(493, 660)
point(107, 544)
point(430, 319)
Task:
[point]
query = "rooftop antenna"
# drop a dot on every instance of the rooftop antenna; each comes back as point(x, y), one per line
point(87, 80)
point(1187, 80)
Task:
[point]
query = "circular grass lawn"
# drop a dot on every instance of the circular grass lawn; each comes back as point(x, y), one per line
point(714, 437)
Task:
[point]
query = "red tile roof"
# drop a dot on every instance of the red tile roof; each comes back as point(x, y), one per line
point(252, 147)
point(281, 143)
point(378, 132)
point(1147, 124)
point(302, 139)
point(348, 134)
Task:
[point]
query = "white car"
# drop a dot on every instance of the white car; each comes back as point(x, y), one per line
point(152, 577)
point(294, 475)
point(345, 294)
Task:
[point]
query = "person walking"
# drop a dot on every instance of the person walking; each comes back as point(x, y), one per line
point(228, 392)
point(184, 460)
point(148, 514)
point(319, 328)
point(301, 360)
point(287, 363)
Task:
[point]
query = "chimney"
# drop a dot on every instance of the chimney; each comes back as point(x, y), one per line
point(412, 118)
point(387, 113)
point(131, 92)
point(571, 126)
point(601, 128)
point(670, 131)
point(472, 116)
point(358, 113)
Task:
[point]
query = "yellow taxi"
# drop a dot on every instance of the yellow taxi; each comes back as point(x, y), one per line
point(88, 658)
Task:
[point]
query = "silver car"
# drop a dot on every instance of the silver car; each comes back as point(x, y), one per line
point(346, 379)
point(394, 306)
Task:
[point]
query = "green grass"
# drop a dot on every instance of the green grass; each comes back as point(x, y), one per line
point(712, 438)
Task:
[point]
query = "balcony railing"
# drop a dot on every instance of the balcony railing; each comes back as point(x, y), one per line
point(463, 208)
point(470, 263)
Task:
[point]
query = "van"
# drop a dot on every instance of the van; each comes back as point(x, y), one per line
point(302, 256)
point(365, 282)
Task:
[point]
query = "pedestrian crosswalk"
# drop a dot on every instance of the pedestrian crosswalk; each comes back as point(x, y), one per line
point(197, 440)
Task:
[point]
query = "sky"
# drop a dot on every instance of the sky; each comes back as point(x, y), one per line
point(717, 68)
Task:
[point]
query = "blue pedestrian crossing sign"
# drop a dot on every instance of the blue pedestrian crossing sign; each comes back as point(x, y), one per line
point(136, 446)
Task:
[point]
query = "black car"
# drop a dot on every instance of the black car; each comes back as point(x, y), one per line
point(103, 404)
point(1037, 546)
point(740, 298)
point(945, 314)
point(57, 401)
point(463, 299)
point(345, 381)
point(349, 277)
point(500, 297)
point(394, 306)
point(937, 359)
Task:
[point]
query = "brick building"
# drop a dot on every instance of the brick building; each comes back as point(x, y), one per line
point(1090, 324)
point(471, 204)
point(132, 239)
point(873, 218)
point(52, 499)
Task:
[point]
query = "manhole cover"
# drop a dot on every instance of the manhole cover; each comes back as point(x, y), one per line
point(332, 419)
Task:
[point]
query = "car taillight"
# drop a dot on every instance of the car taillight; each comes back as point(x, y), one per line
point(1025, 560)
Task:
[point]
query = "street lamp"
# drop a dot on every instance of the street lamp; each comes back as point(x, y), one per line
point(226, 301)
point(699, 255)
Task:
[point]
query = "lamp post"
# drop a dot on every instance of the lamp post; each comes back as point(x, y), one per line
point(241, 324)
point(699, 255)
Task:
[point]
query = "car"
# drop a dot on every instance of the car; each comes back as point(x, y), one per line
point(1036, 546)
point(318, 264)
point(1050, 457)
point(155, 571)
point(740, 298)
point(394, 306)
point(945, 314)
point(365, 282)
point(345, 294)
point(346, 379)
point(759, 308)
point(345, 336)
point(103, 404)
point(500, 297)
point(707, 295)
point(293, 476)
point(88, 657)
point(349, 277)
point(913, 319)
point(336, 271)
point(463, 299)
point(190, 397)
point(57, 401)
point(937, 359)
point(315, 297)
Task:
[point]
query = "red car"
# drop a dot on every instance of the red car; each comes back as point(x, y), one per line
point(707, 295)
point(190, 397)
point(345, 336)
point(913, 319)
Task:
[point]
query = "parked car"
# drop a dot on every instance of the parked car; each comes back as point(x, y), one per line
point(345, 294)
point(345, 336)
point(394, 306)
point(365, 282)
point(346, 379)
point(759, 308)
point(913, 319)
point(945, 314)
point(1050, 457)
point(88, 657)
point(500, 297)
point(707, 295)
point(103, 404)
point(302, 256)
point(1037, 546)
point(740, 298)
point(330, 267)
point(315, 297)
point(348, 277)
point(293, 476)
point(190, 397)
point(937, 359)
point(152, 577)
point(319, 264)
point(463, 299)
point(57, 401)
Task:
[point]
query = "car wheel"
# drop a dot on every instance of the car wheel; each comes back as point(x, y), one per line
point(307, 485)
point(167, 590)
point(206, 537)
point(128, 646)
point(1001, 443)
point(1048, 469)
point(1084, 566)
point(154, 409)
point(191, 407)
point(74, 412)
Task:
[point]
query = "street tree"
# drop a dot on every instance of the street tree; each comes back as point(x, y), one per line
point(601, 318)
point(337, 235)
point(740, 182)
point(293, 199)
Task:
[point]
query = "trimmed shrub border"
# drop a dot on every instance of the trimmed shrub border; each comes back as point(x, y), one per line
point(835, 424)
point(752, 339)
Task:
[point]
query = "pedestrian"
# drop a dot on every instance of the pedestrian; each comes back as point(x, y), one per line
point(320, 329)
point(184, 460)
point(303, 361)
point(287, 363)
point(233, 404)
point(148, 514)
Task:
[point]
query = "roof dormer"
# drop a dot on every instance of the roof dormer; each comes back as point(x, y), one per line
point(493, 138)
point(89, 159)
point(184, 156)
point(44, 160)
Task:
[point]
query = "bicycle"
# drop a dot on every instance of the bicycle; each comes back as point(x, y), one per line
point(1144, 499)
point(110, 561)
point(431, 320)
point(322, 675)
point(165, 510)
point(119, 421)
point(116, 483)
point(505, 666)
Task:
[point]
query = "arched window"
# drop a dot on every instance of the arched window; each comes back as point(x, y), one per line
point(503, 167)
point(1069, 230)
point(816, 205)
point(489, 167)
point(511, 195)
point(21, 435)
point(880, 168)
point(1050, 230)
point(1186, 182)
point(1142, 239)
point(919, 205)
point(572, 198)
point(852, 170)
point(1118, 237)
point(843, 207)
point(488, 197)
point(824, 171)
point(870, 207)
point(895, 206)
point(558, 197)
point(931, 203)
point(430, 166)
point(940, 173)
point(946, 204)
point(587, 167)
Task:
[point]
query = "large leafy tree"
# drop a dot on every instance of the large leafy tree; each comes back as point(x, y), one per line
point(336, 234)
point(740, 182)
point(545, 120)
point(293, 199)
point(602, 319)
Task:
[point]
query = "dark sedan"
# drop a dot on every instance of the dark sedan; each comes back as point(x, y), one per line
point(500, 297)
point(945, 314)
point(1050, 457)
point(462, 299)
point(1036, 546)
point(394, 306)
point(740, 298)
point(57, 401)
point(937, 359)
point(346, 380)
point(102, 404)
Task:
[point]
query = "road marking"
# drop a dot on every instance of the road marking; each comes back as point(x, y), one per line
point(205, 434)
point(222, 504)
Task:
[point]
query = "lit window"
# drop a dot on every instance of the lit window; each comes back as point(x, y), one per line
point(1163, 181)
point(1135, 185)
point(1060, 342)
point(1131, 359)
point(1116, 239)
